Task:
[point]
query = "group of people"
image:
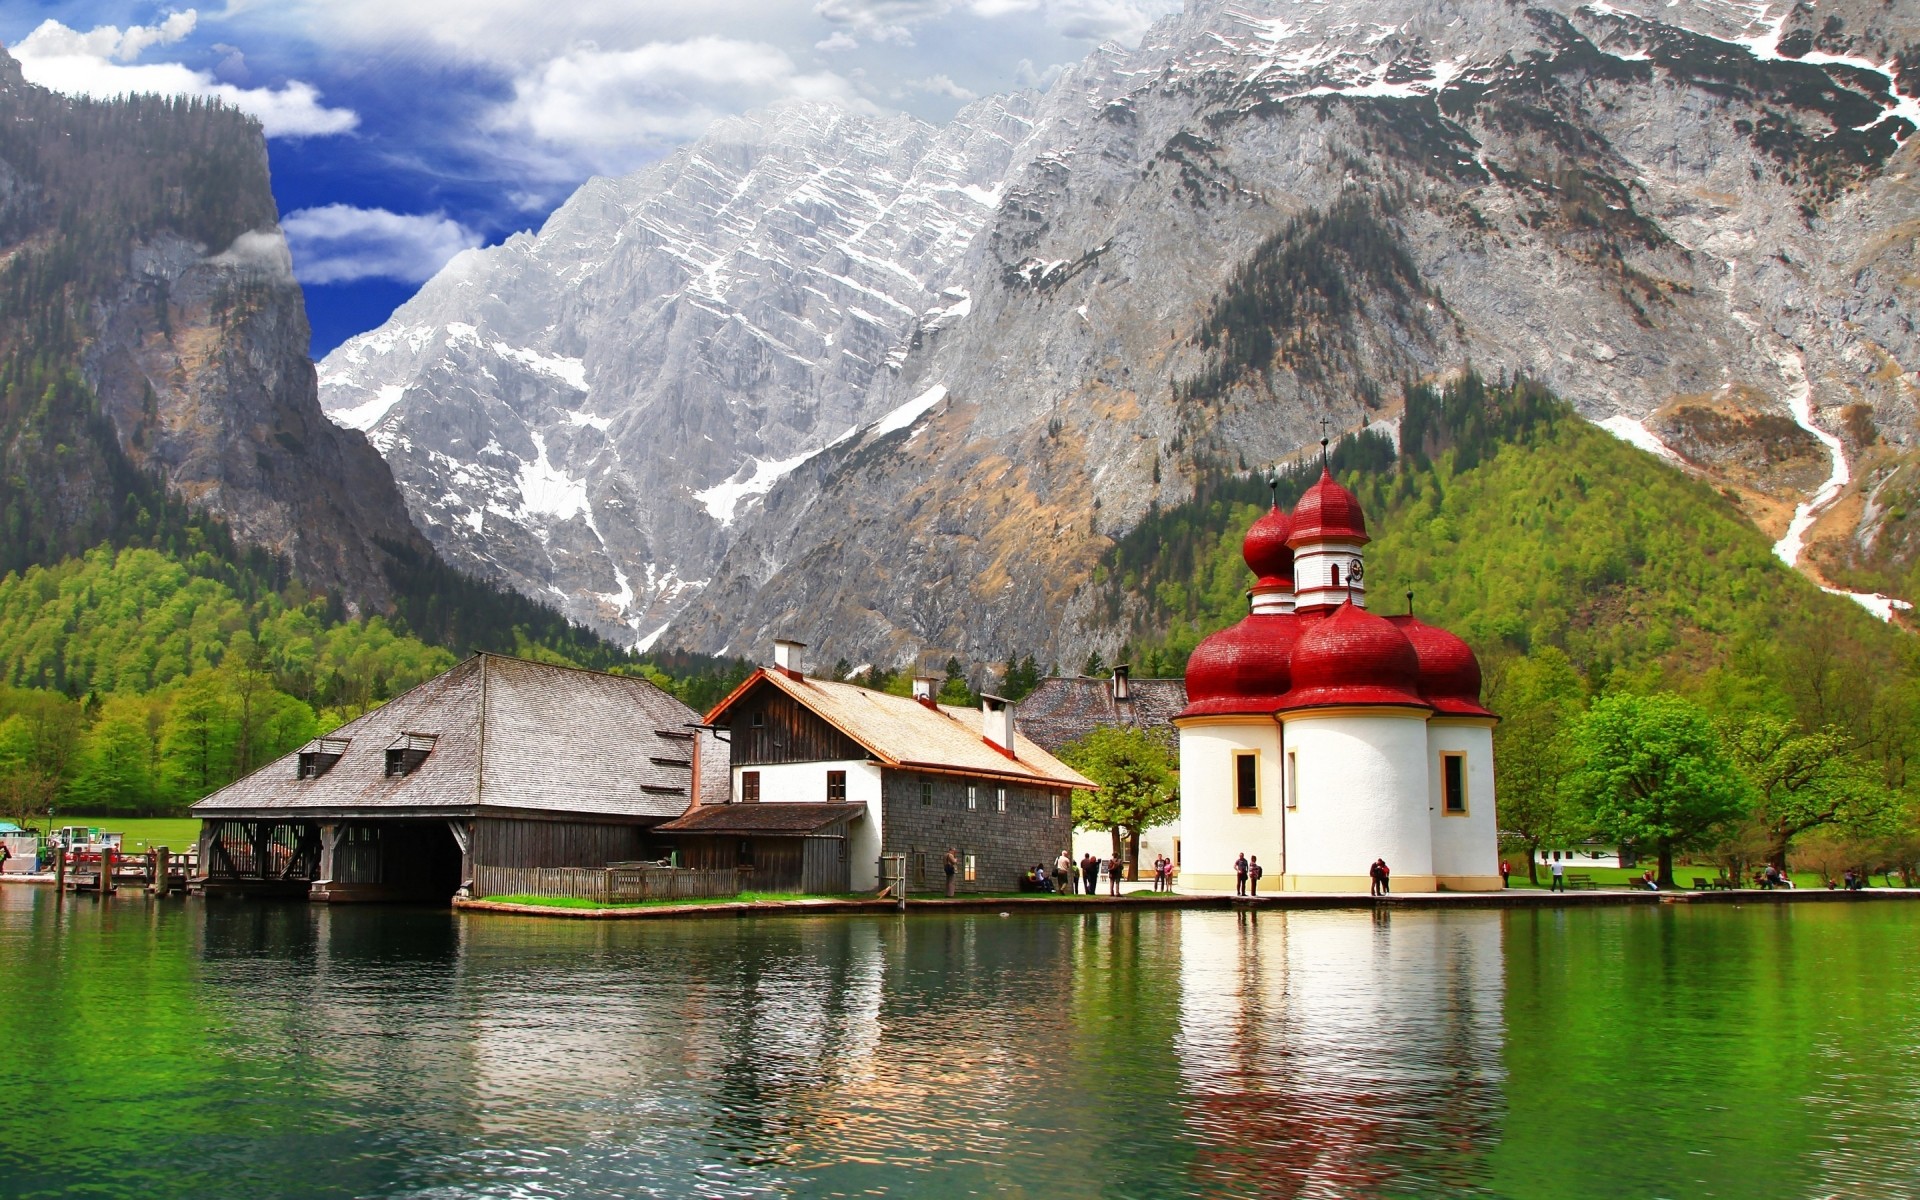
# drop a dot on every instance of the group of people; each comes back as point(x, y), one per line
point(1246, 875)
point(1382, 877)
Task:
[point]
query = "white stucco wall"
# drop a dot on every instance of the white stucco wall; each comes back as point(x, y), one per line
point(1212, 831)
point(806, 783)
point(1363, 794)
point(1464, 848)
point(1159, 840)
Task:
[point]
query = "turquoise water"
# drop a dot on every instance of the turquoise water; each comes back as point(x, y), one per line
point(183, 1049)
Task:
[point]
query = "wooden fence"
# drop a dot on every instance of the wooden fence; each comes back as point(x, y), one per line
point(617, 883)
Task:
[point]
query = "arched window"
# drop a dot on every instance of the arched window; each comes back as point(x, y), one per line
point(1336, 574)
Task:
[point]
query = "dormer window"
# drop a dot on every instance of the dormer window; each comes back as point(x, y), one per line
point(318, 756)
point(407, 752)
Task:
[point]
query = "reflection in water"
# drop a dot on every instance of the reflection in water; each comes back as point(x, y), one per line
point(1330, 1053)
point(260, 1049)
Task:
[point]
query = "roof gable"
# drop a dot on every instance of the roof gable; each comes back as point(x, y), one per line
point(900, 731)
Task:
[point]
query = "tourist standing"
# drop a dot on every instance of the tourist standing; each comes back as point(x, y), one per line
point(1113, 877)
point(1559, 876)
point(1375, 881)
point(1240, 875)
point(952, 867)
point(1386, 877)
point(1506, 868)
point(1090, 874)
point(1063, 874)
point(1253, 875)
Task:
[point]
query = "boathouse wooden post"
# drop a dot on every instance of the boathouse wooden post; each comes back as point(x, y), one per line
point(105, 883)
point(60, 870)
point(159, 885)
point(329, 840)
point(463, 837)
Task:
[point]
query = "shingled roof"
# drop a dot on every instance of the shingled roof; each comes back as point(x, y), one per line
point(1063, 710)
point(900, 731)
point(783, 818)
point(505, 734)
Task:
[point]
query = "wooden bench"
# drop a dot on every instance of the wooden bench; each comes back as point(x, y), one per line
point(1580, 881)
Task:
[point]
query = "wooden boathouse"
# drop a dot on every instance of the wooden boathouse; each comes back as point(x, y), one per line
point(474, 782)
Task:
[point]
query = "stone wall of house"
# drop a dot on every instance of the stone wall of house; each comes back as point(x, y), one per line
point(1036, 827)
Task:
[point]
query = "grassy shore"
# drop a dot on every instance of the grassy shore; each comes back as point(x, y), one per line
point(1683, 876)
point(138, 834)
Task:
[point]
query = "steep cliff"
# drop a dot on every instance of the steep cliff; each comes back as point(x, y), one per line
point(153, 348)
point(1694, 220)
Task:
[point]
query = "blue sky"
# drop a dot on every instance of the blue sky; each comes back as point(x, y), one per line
point(402, 131)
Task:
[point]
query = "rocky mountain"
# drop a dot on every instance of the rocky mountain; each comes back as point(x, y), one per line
point(1695, 220)
point(153, 348)
point(590, 413)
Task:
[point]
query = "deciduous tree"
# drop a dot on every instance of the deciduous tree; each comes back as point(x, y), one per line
point(1652, 772)
point(1139, 780)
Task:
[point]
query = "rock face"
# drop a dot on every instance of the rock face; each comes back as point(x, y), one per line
point(149, 305)
point(589, 413)
point(1268, 215)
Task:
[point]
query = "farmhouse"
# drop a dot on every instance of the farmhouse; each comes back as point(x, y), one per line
point(471, 781)
point(1319, 736)
point(823, 768)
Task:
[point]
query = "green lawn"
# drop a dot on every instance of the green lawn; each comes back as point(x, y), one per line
point(1683, 876)
point(139, 833)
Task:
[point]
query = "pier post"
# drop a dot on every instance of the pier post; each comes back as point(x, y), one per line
point(159, 857)
point(60, 872)
point(106, 871)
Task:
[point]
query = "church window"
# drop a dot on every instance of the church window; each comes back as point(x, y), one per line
point(836, 787)
point(1293, 779)
point(1335, 568)
point(1246, 780)
point(750, 787)
point(1453, 784)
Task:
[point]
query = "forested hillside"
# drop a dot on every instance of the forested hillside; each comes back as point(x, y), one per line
point(1579, 567)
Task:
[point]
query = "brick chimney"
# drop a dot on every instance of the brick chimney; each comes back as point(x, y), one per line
point(786, 658)
point(926, 688)
point(996, 723)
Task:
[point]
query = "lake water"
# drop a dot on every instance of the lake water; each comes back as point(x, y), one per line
point(232, 1049)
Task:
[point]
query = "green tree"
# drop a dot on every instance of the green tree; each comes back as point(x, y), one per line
point(115, 770)
point(1539, 698)
point(1806, 781)
point(1139, 780)
point(1652, 772)
point(954, 690)
point(199, 738)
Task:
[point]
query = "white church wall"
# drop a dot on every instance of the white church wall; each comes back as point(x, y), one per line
point(1362, 795)
point(1466, 854)
point(1213, 831)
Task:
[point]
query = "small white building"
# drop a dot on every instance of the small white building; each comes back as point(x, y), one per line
point(1319, 737)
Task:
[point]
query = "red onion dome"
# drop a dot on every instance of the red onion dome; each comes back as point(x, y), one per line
point(1328, 513)
point(1449, 672)
point(1266, 549)
point(1353, 657)
point(1243, 668)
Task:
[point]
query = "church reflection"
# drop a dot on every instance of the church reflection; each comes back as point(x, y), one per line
point(1329, 1053)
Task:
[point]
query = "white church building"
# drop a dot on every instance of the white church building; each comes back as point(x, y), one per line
point(1319, 736)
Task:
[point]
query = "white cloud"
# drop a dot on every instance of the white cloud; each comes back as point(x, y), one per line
point(99, 63)
point(262, 253)
point(1026, 75)
point(598, 101)
point(836, 42)
point(1107, 20)
point(942, 85)
point(882, 20)
point(337, 243)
